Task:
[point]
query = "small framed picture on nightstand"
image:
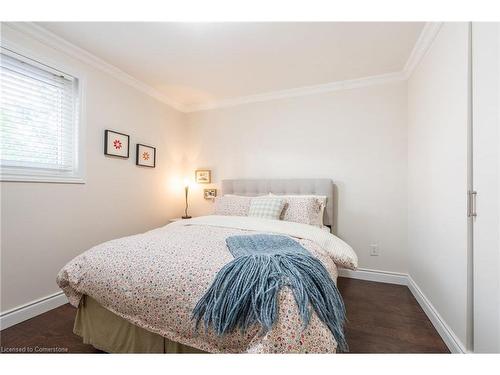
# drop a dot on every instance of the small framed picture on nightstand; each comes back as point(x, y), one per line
point(209, 193)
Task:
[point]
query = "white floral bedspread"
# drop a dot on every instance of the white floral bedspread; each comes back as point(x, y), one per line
point(154, 280)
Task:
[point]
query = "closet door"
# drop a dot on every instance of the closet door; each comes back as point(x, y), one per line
point(486, 173)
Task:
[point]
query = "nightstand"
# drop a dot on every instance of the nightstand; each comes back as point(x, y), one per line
point(175, 219)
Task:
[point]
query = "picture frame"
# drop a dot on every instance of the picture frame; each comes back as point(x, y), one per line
point(209, 193)
point(116, 144)
point(203, 176)
point(145, 156)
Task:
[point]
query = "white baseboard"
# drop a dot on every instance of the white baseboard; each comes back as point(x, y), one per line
point(30, 310)
point(374, 275)
point(450, 339)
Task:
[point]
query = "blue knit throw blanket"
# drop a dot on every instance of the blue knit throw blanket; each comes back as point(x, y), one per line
point(245, 291)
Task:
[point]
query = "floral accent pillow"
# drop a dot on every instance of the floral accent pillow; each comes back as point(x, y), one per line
point(305, 210)
point(232, 205)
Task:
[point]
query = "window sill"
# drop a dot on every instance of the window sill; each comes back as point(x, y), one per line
point(6, 177)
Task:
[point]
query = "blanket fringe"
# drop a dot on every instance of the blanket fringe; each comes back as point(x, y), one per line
point(245, 292)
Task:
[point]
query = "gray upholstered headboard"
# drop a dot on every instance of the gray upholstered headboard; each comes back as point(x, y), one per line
point(299, 186)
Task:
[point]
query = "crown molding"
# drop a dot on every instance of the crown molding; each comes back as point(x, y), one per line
point(301, 91)
point(56, 42)
point(424, 42)
point(422, 45)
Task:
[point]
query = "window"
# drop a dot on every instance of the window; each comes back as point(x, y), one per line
point(39, 122)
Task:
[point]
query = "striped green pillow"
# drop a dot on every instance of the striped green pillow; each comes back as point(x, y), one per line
point(266, 207)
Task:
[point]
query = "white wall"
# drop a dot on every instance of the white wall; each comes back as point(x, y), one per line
point(437, 175)
point(356, 137)
point(44, 225)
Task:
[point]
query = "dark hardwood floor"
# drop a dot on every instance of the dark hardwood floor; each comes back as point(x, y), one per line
point(386, 318)
point(383, 318)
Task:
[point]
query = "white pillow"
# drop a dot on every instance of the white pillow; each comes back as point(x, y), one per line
point(266, 207)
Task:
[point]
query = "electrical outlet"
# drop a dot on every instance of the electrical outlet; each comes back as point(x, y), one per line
point(374, 251)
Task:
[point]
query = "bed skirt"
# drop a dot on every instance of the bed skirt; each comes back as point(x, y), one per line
point(110, 333)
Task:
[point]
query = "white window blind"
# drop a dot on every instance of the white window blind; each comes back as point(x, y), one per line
point(39, 121)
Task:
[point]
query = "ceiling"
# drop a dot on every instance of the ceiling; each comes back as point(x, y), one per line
point(194, 64)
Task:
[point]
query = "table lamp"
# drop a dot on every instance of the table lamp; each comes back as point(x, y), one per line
point(186, 191)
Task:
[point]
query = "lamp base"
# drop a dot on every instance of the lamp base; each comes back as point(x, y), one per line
point(186, 217)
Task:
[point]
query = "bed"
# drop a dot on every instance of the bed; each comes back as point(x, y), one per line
point(136, 294)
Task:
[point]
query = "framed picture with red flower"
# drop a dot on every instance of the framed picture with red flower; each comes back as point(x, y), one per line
point(145, 156)
point(116, 144)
